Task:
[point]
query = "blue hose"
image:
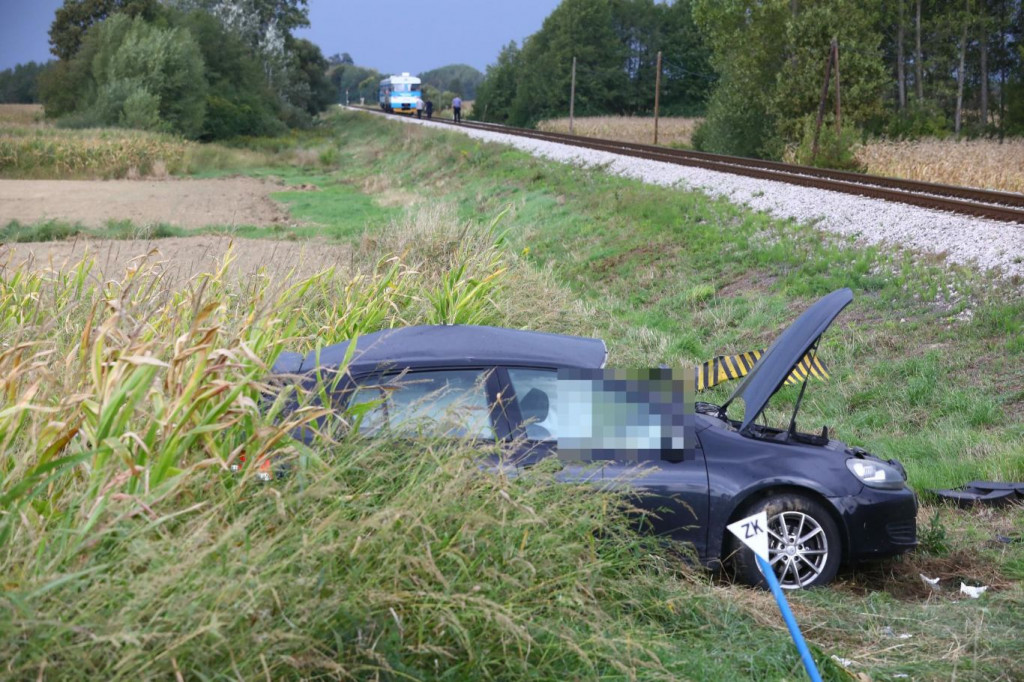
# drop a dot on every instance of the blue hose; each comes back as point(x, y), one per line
point(787, 615)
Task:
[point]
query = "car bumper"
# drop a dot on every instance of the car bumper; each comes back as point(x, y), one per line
point(879, 523)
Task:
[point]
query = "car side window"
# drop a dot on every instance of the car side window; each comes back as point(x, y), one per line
point(444, 402)
point(536, 392)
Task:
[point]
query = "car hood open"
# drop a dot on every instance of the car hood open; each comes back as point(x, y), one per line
point(770, 372)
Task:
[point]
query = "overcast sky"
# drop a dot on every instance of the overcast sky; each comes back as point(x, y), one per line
point(390, 35)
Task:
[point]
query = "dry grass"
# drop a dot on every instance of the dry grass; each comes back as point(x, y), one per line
point(22, 115)
point(971, 163)
point(672, 131)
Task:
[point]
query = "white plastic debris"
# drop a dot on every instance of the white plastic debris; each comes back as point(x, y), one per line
point(889, 632)
point(845, 662)
point(934, 582)
point(972, 592)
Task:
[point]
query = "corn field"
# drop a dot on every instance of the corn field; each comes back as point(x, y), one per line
point(130, 550)
point(672, 131)
point(987, 164)
point(54, 153)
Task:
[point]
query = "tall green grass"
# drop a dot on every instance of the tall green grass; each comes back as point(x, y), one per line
point(129, 550)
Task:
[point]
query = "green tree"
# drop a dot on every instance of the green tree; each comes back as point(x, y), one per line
point(863, 76)
point(357, 81)
point(310, 87)
point(75, 17)
point(576, 28)
point(460, 78)
point(20, 84)
point(616, 43)
point(497, 91)
point(771, 59)
point(129, 72)
point(748, 51)
point(238, 101)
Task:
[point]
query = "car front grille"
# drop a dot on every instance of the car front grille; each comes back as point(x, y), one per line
point(902, 532)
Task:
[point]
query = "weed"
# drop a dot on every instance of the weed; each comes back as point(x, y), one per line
point(933, 537)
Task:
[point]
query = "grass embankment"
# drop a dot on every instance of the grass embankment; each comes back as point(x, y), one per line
point(926, 363)
point(371, 562)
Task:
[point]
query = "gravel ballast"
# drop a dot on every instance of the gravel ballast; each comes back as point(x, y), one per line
point(973, 242)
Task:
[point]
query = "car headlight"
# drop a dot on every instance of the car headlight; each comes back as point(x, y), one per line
point(876, 474)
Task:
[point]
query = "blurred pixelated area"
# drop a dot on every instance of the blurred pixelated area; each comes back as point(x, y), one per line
point(624, 414)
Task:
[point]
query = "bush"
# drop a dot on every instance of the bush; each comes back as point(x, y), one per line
point(238, 117)
point(837, 151)
point(736, 124)
point(919, 120)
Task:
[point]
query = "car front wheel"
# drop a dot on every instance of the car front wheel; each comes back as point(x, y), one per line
point(803, 543)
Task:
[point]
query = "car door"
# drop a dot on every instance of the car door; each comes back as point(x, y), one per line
point(672, 485)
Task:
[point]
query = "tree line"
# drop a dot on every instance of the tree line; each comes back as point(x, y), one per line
point(205, 69)
point(439, 85)
point(907, 68)
point(615, 43)
point(20, 84)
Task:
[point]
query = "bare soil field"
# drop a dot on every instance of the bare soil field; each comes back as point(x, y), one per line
point(185, 203)
point(179, 259)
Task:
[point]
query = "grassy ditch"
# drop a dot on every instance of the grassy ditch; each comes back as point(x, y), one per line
point(379, 562)
point(926, 366)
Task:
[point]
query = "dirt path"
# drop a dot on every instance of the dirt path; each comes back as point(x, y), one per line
point(179, 259)
point(185, 203)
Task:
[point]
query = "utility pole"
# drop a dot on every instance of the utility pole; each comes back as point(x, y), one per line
point(821, 104)
point(572, 94)
point(839, 98)
point(657, 93)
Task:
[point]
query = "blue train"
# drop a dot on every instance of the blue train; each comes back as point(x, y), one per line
point(398, 94)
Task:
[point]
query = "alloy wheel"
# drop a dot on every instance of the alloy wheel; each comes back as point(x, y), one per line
point(797, 548)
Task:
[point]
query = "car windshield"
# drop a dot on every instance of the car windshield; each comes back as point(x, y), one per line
point(447, 403)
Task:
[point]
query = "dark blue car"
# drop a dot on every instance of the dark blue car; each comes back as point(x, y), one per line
point(827, 503)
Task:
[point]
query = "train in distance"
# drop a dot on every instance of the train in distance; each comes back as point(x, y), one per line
point(398, 94)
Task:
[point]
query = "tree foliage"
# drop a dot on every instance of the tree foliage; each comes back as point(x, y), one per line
point(458, 78)
point(75, 17)
point(770, 57)
point(615, 43)
point(133, 73)
point(206, 69)
point(20, 84)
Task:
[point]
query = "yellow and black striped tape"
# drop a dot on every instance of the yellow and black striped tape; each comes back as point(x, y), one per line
point(728, 367)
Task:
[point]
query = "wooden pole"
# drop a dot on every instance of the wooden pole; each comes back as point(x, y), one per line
point(821, 104)
point(657, 94)
point(839, 97)
point(572, 95)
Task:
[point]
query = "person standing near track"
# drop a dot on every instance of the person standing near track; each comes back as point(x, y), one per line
point(430, 108)
point(457, 108)
point(419, 107)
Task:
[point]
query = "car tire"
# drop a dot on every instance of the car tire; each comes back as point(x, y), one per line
point(804, 546)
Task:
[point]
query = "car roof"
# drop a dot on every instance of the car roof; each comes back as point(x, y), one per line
point(438, 346)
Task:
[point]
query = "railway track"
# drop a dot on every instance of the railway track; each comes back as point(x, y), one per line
point(1002, 206)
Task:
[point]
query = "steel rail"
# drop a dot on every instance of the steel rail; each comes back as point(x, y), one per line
point(1002, 206)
